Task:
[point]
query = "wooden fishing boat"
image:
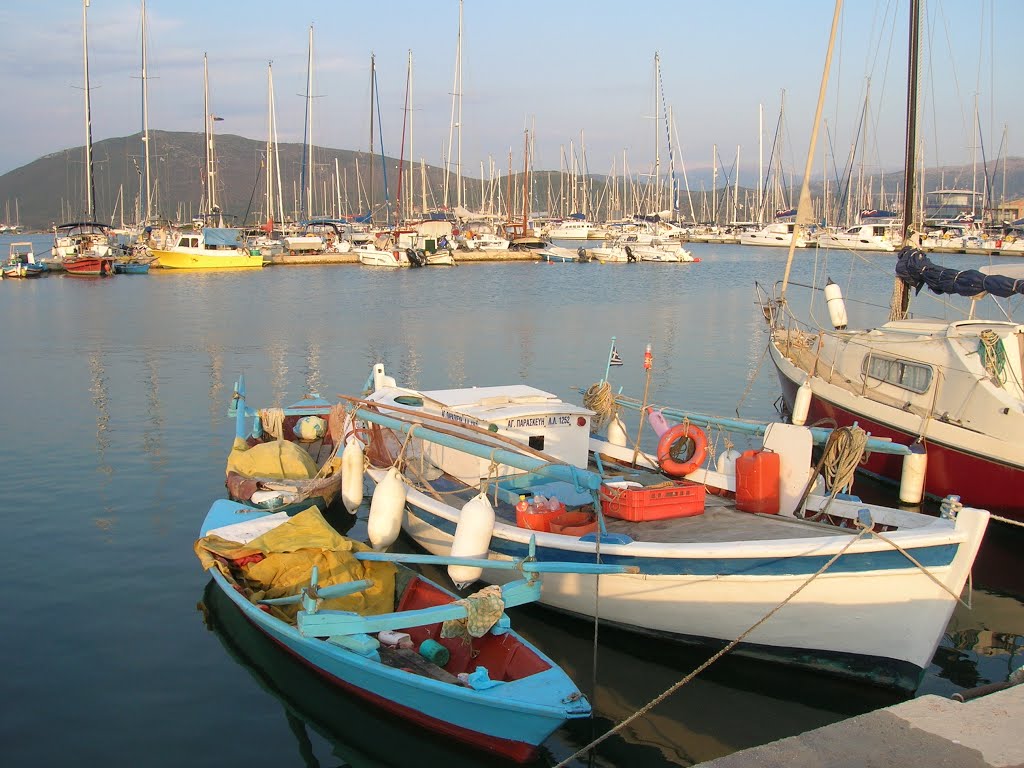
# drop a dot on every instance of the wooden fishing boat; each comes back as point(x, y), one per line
point(208, 248)
point(22, 262)
point(381, 630)
point(862, 590)
point(284, 458)
point(89, 266)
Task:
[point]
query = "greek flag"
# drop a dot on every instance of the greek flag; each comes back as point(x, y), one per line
point(615, 359)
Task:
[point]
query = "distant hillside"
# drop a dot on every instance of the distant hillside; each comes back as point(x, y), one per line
point(50, 190)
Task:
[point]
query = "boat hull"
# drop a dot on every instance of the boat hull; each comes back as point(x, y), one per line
point(980, 480)
point(873, 616)
point(230, 260)
point(511, 734)
point(89, 266)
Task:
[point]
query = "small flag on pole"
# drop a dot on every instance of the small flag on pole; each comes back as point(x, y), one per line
point(615, 359)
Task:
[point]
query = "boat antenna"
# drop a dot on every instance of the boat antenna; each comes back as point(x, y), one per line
point(803, 210)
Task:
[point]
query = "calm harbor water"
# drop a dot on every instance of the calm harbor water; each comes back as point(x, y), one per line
point(115, 396)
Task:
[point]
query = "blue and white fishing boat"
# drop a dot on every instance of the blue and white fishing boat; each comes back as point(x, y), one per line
point(558, 255)
point(818, 580)
point(387, 634)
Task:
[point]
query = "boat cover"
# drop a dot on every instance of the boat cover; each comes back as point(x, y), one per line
point(279, 563)
point(221, 236)
point(916, 271)
point(278, 459)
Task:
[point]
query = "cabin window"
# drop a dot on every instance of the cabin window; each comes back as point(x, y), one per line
point(905, 374)
point(537, 442)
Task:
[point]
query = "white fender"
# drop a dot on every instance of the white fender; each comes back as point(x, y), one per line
point(352, 475)
point(915, 466)
point(472, 538)
point(387, 509)
point(617, 432)
point(836, 305)
point(802, 403)
point(726, 463)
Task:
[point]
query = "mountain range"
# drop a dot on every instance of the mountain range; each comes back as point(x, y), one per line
point(50, 190)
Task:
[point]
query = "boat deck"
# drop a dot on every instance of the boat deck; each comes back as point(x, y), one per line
point(721, 521)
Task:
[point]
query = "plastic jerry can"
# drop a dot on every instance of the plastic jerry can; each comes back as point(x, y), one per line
point(757, 482)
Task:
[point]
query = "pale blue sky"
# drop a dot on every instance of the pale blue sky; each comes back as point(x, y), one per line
point(564, 67)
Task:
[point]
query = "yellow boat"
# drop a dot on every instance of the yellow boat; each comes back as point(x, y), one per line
point(210, 248)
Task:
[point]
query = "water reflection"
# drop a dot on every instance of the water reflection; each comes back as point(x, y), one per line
point(216, 392)
point(278, 353)
point(152, 433)
point(312, 372)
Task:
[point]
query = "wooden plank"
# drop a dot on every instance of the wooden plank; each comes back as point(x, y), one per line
point(406, 658)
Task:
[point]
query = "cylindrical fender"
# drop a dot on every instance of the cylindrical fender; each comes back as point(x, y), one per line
point(671, 466)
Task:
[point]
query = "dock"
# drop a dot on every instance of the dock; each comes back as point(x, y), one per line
point(928, 731)
point(461, 257)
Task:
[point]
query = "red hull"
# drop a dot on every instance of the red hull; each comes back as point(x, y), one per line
point(89, 266)
point(978, 481)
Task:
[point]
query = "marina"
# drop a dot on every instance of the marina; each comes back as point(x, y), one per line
point(142, 441)
point(672, 464)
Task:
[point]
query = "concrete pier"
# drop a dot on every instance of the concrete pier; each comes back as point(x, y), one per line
point(929, 731)
point(306, 259)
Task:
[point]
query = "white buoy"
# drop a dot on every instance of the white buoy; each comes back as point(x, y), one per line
point(802, 403)
point(726, 462)
point(915, 464)
point(836, 305)
point(387, 508)
point(352, 475)
point(617, 432)
point(472, 538)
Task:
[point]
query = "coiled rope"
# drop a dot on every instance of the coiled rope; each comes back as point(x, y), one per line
point(601, 401)
point(842, 456)
point(992, 356)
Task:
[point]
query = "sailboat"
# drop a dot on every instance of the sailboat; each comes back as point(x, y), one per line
point(83, 248)
point(951, 390)
point(213, 247)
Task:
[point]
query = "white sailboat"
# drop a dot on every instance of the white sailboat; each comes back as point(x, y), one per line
point(953, 390)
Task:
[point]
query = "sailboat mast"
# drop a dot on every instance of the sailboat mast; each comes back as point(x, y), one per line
point(458, 165)
point(803, 211)
point(656, 197)
point(900, 297)
point(90, 184)
point(306, 206)
point(911, 144)
point(401, 154)
point(270, 141)
point(211, 161)
point(373, 82)
point(145, 120)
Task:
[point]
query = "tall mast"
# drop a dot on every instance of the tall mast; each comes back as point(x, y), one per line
point(211, 194)
point(270, 141)
point(90, 184)
point(526, 167)
point(900, 298)
point(401, 154)
point(804, 212)
point(458, 165)
point(145, 120)
point(373, 82)
point(306, 206)
point(656, 197)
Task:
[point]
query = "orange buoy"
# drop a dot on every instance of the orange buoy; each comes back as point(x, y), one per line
point(672, 466)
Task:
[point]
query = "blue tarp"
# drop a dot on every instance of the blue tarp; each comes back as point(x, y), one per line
point(219, 236)
point(916, 271)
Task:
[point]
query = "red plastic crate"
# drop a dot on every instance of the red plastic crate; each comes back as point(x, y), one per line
point(681, 499)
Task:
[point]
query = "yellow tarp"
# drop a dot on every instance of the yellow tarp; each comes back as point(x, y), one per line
point(291, 550)
point(278, 459)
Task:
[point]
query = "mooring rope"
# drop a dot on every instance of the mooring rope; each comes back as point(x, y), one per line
point(676, 686)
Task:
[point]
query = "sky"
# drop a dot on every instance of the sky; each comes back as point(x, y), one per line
point(579, 74)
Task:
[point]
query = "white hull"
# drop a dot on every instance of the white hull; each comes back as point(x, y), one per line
point(892, 614)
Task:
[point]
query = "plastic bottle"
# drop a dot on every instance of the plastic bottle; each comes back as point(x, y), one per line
point(554, 505)
point(523, 507)
point(539, 504)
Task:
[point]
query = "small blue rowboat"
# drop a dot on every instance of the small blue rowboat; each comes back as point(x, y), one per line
point(497, 692)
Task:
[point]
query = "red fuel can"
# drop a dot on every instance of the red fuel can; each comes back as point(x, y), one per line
point(757, 482)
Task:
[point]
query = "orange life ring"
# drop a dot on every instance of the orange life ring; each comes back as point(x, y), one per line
point(669, 464)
